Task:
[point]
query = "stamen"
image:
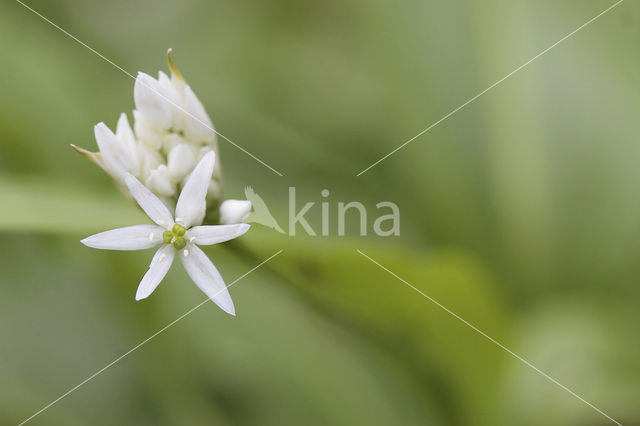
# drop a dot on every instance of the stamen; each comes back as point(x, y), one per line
point(192, 239)
point(151, 236)
point(186, 252)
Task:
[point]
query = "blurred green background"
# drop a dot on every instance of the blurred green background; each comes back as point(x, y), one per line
point(520, 213)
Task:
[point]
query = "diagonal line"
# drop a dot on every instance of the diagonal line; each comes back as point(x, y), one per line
point(94, 375)
point(500, 345)
point(492, 86)
point(149, 87)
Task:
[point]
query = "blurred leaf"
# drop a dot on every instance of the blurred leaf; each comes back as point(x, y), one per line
point(576, 342)
point(443, 353)
point(37, 204)
point(276, 363)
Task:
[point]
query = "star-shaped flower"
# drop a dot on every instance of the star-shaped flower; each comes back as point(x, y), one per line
point(181, 235)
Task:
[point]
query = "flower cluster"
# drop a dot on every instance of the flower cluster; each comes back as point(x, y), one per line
point(167, 164)
point(171, 133)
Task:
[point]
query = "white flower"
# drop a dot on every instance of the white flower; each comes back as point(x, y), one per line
point(159, 182)
point(181, 235)
point(234, 211)
point(180, 161)
point(169, 103)
point(171, 133)
point(153, 101)
point(119, 153)
point(197, 125)
point(146, 132)
point(150, 159)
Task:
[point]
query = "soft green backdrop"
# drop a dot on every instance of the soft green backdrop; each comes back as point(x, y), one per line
point(521, 213)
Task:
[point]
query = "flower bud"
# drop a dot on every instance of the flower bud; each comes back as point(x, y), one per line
point(176, 94)
point(197, 125)
point(146, 132)
point(159, 182)
point(124, 132)
point(118, 158)
point(181, 161)
point(152, 101)
point(149, 160)
point(234, 211)
point(171, 140)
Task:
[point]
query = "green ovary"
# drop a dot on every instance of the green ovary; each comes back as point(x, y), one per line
point(175, 236)
point(178, 230)
point(179, 243)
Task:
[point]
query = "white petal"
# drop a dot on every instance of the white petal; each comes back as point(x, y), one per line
point(152, 206)
point(181, 161)
point(149, 159)
point(234, 211)
point(207, 277)
point(146, 132)
point(151, 101)
point(191, 205)
point(177, 80)
point(117, 158)
point(171, 140)
point(214, 234)
point(160, 182)
point(168, 89)
point(137, 237)
point(197, 124)
point(159, 267)
point(177, 100)
point(125, 135)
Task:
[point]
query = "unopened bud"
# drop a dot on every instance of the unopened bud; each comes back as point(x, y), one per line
point(159, 182)
point(234, 211)
point(181, 161)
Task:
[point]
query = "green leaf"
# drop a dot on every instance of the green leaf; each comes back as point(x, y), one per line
point(445, 356)
point(38, 204)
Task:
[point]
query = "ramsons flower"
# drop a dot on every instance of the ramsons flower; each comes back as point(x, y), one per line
point(171, 133)
point(176, 235)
